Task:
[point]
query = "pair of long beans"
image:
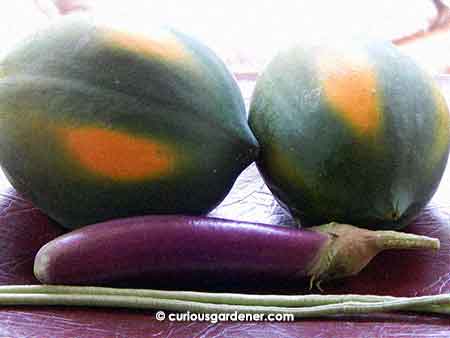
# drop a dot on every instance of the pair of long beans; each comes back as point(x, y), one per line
point(301, 306)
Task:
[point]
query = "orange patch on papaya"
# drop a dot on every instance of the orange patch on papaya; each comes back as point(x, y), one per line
point(116, 154)
point(350, 87)
point(161, 45)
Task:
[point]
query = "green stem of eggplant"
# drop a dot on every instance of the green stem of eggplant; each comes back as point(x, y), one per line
point(349, 249)
point(201, 302)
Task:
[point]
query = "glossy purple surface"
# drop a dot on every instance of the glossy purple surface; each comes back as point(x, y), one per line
point(162, 249)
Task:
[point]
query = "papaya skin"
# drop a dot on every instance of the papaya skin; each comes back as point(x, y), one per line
point(351, 132)
point(100, 123)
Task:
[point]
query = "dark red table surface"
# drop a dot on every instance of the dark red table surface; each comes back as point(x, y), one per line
point(24, 229)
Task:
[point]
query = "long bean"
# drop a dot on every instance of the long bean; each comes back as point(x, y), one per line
point(300, 306)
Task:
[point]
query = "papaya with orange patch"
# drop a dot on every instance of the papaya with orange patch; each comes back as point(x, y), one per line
point(352, 132)
point(99, 122)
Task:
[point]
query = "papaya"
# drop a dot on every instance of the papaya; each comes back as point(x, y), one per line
point(100, 122)
point(351, 131)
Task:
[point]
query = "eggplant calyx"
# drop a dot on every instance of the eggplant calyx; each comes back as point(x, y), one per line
point(349, 249)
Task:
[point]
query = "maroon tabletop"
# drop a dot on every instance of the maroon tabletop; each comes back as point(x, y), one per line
point(23, 229)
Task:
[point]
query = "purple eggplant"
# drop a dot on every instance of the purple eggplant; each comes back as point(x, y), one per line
point(167, 247)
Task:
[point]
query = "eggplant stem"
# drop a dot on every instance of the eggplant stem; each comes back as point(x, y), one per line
point(310, 305)
point(349, 249)
point(387, 240)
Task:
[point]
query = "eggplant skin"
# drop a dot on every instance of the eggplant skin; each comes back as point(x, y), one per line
point(169, 247)
point(350, 132)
